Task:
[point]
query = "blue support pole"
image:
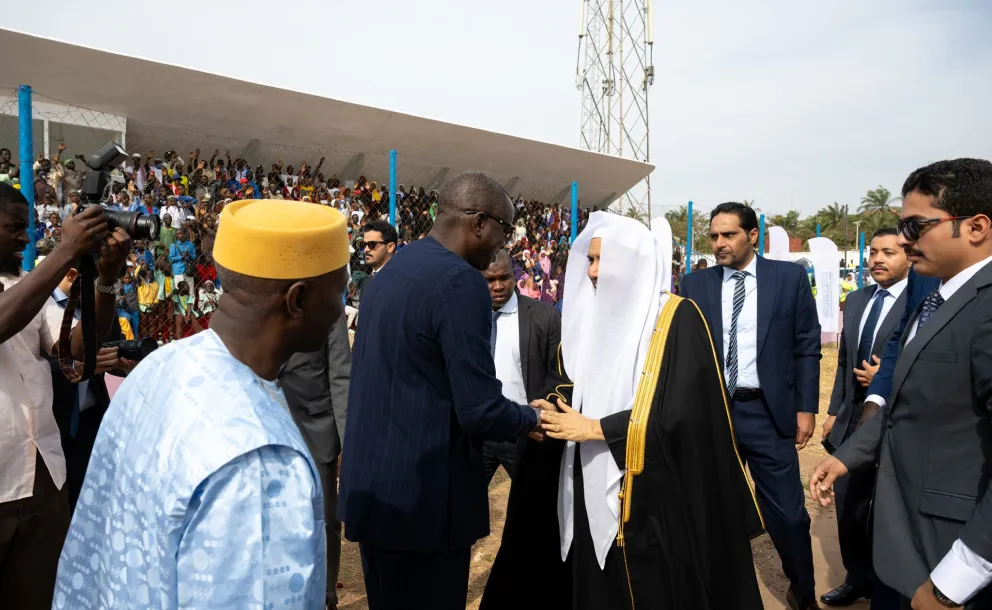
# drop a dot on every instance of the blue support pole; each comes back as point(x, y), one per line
point(761, 235)
point(575, 212)
point(817, 229)
point(861, 258)
point(688, 239)
point(26, 153)
point(392, 187)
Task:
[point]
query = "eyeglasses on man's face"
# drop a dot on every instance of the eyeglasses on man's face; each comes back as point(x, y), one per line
point(507, 227)
point(914, 228)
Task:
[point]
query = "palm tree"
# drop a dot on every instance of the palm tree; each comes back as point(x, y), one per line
point(678, 219)
point(878, 200)
point(638, 216)
point(832, 215)
point(788, 221)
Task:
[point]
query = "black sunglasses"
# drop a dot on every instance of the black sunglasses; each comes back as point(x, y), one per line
point(913, 228)
point(507, 227)
point(372, 245)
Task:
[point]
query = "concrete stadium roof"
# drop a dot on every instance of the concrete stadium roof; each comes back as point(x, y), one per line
point(172, 107)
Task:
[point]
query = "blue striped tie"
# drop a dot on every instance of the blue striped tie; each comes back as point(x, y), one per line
point(732, 348)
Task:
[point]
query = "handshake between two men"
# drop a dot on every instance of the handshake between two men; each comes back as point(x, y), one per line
point(564, 423)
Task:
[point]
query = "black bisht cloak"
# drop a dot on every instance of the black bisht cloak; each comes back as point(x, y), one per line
point(692, 512)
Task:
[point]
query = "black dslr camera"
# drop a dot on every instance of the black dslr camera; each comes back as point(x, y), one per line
point(136, 350)
point(101, 163)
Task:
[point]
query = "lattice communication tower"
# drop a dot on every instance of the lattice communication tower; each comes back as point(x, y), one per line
point(614, 69)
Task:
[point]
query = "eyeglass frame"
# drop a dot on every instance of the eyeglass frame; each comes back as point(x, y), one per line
point(507, 227)
point(365, 244)
point(902, 226)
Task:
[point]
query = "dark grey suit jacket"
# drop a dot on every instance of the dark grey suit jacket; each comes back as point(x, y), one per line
point(540, 334)
point(841, 400)
point(316, 387)
point(935, 464)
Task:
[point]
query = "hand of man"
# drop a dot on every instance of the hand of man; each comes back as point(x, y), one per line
point(868, 411)
point(805, 424)
point(924, 598)
point(865, 374)
point(106, 360)
point(113, 255)
point(125, 366)
point(85, 232)
point(541, 405)
point(821, 483)
point(570, 425)
point(828, 426)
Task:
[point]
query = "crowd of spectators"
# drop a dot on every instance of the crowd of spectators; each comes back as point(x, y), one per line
point(170, 287)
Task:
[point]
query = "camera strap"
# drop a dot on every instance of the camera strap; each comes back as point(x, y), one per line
point(82, 294)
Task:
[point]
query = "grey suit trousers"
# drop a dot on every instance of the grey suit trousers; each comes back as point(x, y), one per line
point(329, 485)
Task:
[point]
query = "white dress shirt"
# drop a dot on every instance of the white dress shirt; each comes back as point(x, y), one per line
point(962, 573)
point(894, 292)
point(26, 393)
point(747, 324)
point(507, 353)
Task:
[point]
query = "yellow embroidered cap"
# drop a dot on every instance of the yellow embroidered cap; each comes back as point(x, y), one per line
point(281, 240)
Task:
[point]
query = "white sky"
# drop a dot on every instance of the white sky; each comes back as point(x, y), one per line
point(792, 104)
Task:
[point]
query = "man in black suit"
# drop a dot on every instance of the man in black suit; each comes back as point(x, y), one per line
point(79, 407)
point(316, 387)
point(764, 324)
point(524, 343)
point(871, 315)
point(932, 509)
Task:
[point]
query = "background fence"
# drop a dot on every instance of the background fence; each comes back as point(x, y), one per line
point(170, 287)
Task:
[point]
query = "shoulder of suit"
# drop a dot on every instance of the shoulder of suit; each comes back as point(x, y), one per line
point(547, 308)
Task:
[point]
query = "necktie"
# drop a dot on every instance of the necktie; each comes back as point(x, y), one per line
point(732, 348)
point(930, 306)
point(868, 332)
point(492, 335)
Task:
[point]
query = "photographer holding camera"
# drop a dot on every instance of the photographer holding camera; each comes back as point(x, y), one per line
point(34, 514)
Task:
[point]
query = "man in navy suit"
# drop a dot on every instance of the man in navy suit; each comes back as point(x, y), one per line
point(423, 396)
point(764, 324)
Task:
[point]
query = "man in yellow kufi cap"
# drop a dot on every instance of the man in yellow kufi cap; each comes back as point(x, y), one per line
point(202, 494)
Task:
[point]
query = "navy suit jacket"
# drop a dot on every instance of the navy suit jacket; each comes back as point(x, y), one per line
point(917, 289)
point(788, 335)
point(423, 396)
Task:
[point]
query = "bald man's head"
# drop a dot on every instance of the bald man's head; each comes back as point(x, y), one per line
point(474, 218)
point(475, 191)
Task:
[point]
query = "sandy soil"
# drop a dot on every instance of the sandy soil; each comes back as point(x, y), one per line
point(826, 554)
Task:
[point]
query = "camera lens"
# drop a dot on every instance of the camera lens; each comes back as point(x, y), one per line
point(137, 225)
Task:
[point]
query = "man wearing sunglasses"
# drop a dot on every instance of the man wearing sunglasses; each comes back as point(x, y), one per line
point(380, 239)
point(932, 520)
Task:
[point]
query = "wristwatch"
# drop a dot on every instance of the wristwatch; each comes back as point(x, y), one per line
point(111, 290)
point(944, 600)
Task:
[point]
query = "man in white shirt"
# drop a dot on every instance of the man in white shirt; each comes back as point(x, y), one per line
point(524, 343)
point(871, 315)
point(932, 511)
point(34, 513)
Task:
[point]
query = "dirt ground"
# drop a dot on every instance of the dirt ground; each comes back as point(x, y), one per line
point(826, 554)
